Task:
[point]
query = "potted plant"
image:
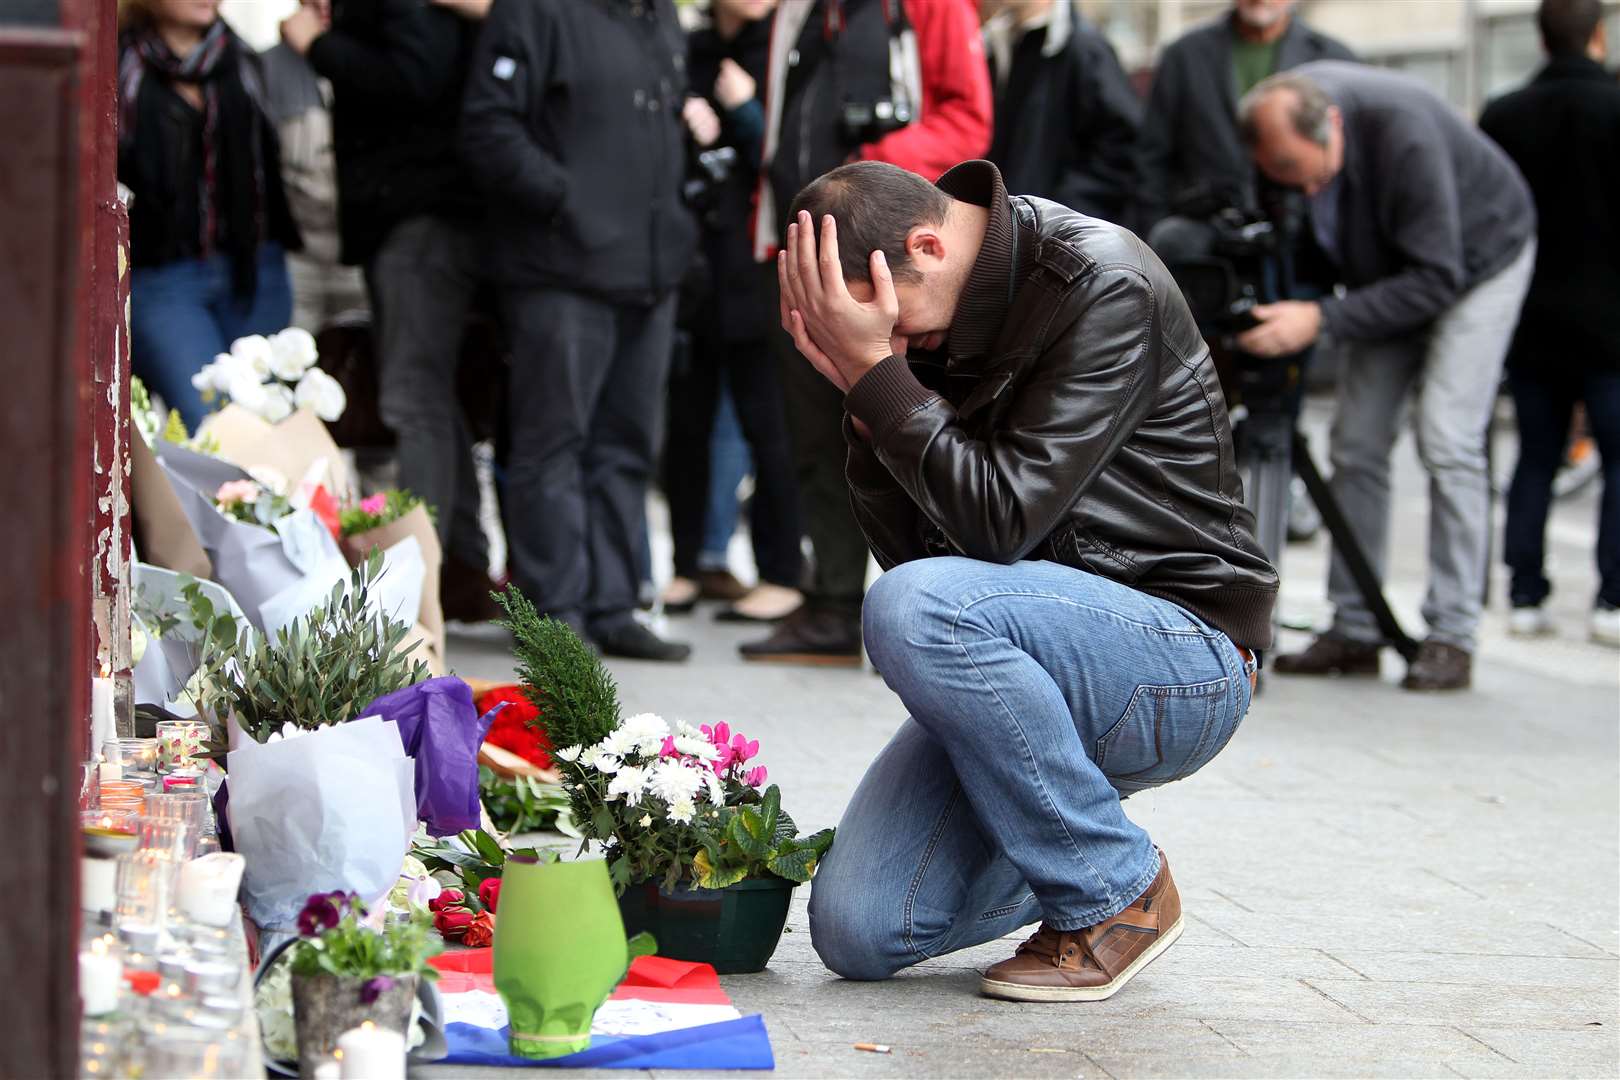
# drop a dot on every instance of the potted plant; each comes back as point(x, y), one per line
point(345, 972)
point(699, 850)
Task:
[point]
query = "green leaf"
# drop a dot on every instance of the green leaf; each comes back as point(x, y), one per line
point(794, 863)
point(751, 834)
point(643, 944)
point(709, 876)
point(488, 848)
point(785, 829)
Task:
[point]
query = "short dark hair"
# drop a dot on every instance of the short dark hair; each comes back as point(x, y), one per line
point(1568, 25)
point(1308, 117)
point(875, 205)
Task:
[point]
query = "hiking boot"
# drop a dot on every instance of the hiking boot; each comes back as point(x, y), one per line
point(633, 641)
point(1095, 962)
point(811, 635)
point(1330, 654)
point(1439, 667)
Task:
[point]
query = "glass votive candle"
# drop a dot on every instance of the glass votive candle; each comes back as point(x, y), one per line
point(188, 807)
point(179, 741)
point(116, 820)
point(145, 884)
point(171, 839)
point(137, 754)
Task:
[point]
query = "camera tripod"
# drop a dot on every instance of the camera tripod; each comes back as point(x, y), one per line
point(1275, 450)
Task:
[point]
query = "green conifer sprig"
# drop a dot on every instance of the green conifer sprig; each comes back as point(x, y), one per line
point(577, 698)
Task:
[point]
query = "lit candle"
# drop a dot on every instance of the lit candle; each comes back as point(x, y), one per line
point(103, 726)
point(369, 1052)
point(100, 974)
point(328, 1070)
point(208, 888)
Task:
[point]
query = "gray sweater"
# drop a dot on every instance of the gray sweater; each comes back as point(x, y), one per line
point(1428, 206)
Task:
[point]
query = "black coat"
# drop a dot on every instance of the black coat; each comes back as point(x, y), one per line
point(1189, 150)
point(572, 129)
point(737, 306)
point(1427, 206)
point(397, 68)
point(1065, 124)
point(1563, 131)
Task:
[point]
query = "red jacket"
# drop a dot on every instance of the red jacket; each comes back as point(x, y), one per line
point(957, 104)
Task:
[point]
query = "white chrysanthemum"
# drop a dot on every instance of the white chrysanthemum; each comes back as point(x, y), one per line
point(604, 762)
point(292, 352)
point(569, 753)
point(647, 731)
point(717, 790)
point(631, 782)
point(620, 743)
point(696, 746)
point(254, 351)
point(671, 781)
point(681, 811)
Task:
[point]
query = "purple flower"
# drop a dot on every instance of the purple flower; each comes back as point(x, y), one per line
point(373, 987)
point(322, 912)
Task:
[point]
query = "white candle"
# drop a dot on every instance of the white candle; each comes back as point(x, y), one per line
point(369, 1052)
point(328, 1070)
point(100, 972)
point(208, 888)
point(103, 726)
point(98, 884)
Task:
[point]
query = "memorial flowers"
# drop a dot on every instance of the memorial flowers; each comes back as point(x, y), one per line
point(272, 377)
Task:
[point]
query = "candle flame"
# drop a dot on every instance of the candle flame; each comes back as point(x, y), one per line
point(367, 1026)
point(99, 946)
point(338, 1054)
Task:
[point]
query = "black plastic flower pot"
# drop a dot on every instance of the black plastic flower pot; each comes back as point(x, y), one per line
point(736, 929)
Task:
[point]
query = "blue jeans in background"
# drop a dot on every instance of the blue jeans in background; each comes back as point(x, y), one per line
point(184, 313)
point(729, 462)
point(1040, 695)
point(1544, 399)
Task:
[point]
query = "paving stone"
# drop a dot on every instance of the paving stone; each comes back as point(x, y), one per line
point(1502, 1005)
point(1584, 1051)
point(1476, 970)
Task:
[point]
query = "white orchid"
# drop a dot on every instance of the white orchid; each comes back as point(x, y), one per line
point(322, 394)
point(256, 353)
point(631, 783)
point(292, 352)
point(277, 405)
point(243, 388)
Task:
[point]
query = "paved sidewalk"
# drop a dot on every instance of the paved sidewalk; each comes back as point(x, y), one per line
point(1376, 883)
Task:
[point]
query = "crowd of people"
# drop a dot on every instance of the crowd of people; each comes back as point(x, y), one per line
point(609, 181)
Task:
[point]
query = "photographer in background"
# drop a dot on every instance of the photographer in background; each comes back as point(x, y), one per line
point(571, 127)
point(900, 81)
point(1432, 230)
point(1066, 115)
point(1563, 131)
point(728, 327)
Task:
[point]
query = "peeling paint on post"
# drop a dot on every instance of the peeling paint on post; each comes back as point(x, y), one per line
point(109, 345)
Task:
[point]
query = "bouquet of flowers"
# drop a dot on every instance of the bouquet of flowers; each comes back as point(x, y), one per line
point(251, 502)
point(668, 802)
point(384, 520)
point(375, 511)
point(271, 377)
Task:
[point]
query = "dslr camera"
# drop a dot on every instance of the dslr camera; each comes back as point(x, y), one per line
point(868, 121)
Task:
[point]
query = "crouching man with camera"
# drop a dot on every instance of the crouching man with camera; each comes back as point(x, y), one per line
point(1039, 456)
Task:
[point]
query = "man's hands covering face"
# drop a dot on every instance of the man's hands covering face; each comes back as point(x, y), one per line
point(841, 336)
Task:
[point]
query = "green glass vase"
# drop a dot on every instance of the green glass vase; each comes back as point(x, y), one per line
point(559, 952)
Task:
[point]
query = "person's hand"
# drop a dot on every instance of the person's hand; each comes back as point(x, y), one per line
point(300, 29)
point(841, 336)
point(467, 9)
point(701, 121)
point(1285, 328)
point(733, 86)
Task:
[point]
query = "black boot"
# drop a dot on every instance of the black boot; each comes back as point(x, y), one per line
point(633, 641)
point(814, 634)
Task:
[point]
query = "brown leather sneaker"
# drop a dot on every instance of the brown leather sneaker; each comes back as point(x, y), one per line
point(1439, 666)
point(1096, 962)
point(1330, 654)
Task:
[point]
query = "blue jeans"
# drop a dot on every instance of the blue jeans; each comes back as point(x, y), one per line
point(184, 313)
point(1545, 402)
point(729, 462)
point(1040, 695)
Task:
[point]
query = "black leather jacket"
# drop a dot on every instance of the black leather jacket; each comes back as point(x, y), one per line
point(1077, 418)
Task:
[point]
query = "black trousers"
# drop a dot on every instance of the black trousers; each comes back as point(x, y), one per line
point(750, 369)
point(586, 410)
point(815, 413)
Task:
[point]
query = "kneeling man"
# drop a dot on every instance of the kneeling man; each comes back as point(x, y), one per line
point(1073, 600)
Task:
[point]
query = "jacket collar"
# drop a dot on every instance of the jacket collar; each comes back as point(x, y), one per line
point(982, 307)
point(1573, 67)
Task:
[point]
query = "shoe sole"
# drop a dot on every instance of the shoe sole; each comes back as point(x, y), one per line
point(811, 659)
point(1019, 992)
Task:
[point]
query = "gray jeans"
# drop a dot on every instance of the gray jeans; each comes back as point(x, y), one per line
point(1452, 371)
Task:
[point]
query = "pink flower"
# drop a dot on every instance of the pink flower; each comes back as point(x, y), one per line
point(742, 749)
point(375, 504)
point(755, 777)
point(668, 750)
point(236, 491)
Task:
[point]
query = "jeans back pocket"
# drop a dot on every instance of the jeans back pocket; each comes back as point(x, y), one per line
point(1166, 733)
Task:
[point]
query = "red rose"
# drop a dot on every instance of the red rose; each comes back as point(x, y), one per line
point(516, 727)
point(489, 893)
point(481, 933)
point(453, 923)
point(448, 898)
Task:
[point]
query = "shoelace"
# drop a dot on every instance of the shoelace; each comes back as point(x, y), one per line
point(1046, 943)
